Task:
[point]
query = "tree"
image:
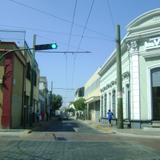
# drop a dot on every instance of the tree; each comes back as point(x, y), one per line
point(56, 101)
point(79, 104)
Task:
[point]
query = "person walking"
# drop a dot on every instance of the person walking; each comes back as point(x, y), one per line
point(109, 116)
point(37, 115)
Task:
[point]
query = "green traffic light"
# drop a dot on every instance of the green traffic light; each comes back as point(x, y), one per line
point(54, 46)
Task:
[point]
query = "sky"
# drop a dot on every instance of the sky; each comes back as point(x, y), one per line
point(75, 25)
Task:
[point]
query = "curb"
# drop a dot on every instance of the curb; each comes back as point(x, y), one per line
point(136, 135)
point(102, 130)
point(12, 132)
point(114, 131)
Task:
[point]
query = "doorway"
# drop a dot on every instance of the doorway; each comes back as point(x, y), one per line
point(155, 90)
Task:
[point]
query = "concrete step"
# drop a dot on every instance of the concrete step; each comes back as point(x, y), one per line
point(151, 129)
point(156, 124)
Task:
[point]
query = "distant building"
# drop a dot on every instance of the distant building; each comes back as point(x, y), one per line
point(79, 93)
point(140, 73)
point(43, 95)
point(92, 97)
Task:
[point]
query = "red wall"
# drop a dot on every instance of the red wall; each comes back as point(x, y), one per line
point(7, 91)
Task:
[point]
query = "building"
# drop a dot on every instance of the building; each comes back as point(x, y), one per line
point(92, 97)
point(140, 73)
point(79, 93)
point(31, 99)
point(43, 93)
point(12, 85)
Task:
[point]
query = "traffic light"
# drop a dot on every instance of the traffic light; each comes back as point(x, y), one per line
point(46, 46)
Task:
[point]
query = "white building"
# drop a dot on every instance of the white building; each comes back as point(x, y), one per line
point(140, 73)
point(92, 97)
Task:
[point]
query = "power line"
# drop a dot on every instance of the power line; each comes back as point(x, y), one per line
point(70, 89)
point(70, 34)
point(40, 11)
point(74, 68)
point(74, 12)
point(66, 71)
point(85, 26)
point(62, 33)
point(110, 12)
point(56, 17)
point(66, 52)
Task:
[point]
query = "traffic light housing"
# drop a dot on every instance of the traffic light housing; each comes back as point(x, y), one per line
point(46, 46)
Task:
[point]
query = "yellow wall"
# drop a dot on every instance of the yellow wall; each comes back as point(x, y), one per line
point(96, 90)
point(17, 93)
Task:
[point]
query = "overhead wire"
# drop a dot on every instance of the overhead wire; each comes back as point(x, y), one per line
point(56, 32)
point(85, 26)
point(70, 36)
point(79, 44)
point(110, 12)
point(56, 17)
point(70, 33)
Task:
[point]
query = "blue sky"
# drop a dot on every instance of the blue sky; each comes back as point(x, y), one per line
point(51, 21)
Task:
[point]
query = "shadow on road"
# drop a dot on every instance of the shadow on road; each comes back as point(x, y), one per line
point(55, 125)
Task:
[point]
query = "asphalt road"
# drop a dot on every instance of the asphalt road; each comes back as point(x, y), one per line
point(69, 125)
point(75, 141)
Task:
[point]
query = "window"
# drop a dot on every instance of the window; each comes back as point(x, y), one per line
point(28, 71)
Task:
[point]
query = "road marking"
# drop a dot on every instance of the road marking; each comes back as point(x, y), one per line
point(76, 129)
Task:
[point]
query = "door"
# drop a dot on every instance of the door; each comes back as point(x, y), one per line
point(155, 87)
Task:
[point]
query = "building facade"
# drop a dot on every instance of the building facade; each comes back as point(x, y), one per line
point(31, 90)
point(79, 93)
point(12, 77)
point(43, 93)
point(140, 73)
point(92, 97)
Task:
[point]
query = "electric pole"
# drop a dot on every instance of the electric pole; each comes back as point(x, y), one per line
point(119, 79)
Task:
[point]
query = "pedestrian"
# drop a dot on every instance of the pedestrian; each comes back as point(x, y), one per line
point(42, 115)
point(77, 115)
point(37, 115)
point(46, 115)
point(109, 116)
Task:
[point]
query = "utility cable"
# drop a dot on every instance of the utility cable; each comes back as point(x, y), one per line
point(110, 12)
point(62, 33)
point(85, 26)
point(56, 17)
point(74, 67)
point(70, 34)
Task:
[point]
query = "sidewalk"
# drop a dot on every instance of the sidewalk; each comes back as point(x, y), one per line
point(14, 132)
point(24, 132)
point(142, 133)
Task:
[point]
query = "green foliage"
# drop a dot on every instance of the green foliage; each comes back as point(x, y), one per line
point(56, 101)
point(79, 104)
point(70, 110)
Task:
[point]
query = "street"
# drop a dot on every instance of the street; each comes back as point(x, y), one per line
point(73, 140)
